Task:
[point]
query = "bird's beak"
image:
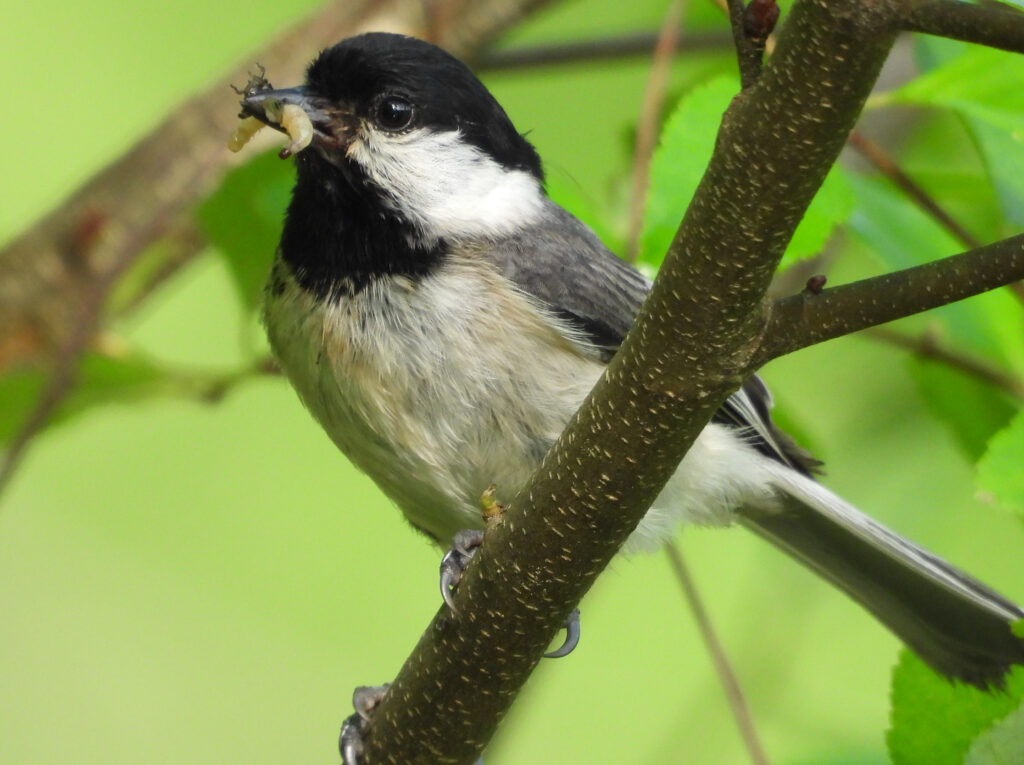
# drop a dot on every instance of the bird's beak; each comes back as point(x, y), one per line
point(293, 111)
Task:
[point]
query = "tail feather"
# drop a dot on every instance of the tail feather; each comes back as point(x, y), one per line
point(956, 624)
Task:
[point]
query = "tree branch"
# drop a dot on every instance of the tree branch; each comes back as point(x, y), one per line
point(41, 286)
point(172, 167)
point(686, 353)
point(56, 277)
point(801, 320)
point(89, 313)
point(995, 27)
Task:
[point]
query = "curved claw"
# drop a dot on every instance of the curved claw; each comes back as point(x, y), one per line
point(572, 636)
point(350, 742)
point(450, 576)
point(454, 562)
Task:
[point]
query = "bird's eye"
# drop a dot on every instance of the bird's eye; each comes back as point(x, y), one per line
point(393, 114)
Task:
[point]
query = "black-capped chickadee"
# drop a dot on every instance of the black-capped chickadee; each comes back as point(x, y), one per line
point(443, 319)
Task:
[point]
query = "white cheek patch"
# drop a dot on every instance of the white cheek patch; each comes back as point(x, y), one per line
point(446, 187)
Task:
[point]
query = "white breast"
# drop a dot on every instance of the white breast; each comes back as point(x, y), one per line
point(432, 387)
point(441, 386)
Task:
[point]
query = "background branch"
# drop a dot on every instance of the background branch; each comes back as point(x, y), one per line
point(929, 346)
point(877, 156)
point(616, 47)
point(178, 164)
point(719, 657)
point(174, 166)
point(57, 277)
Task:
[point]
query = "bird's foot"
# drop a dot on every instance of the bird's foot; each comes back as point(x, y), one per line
point(364, 700)
point(453, 565)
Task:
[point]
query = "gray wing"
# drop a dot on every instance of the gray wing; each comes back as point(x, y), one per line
point(562, 264)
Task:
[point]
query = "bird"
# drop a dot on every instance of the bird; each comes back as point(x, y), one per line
point(442, 319)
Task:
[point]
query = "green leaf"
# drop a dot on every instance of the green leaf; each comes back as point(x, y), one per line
point(931, 52)
point(1003, 154)
point(100, 379)
point(999, 470)
point(903, 236)
point(680, 160)
point(831, 207)
point(942, 156)
point(900, 234)
point(966, 84)
point(244, 218)
point(1017, 628)
point(969, 408)
point(19, 390)
point(1001, 744)
point(935, 721)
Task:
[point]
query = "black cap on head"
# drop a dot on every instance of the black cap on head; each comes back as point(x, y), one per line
point(361, 72)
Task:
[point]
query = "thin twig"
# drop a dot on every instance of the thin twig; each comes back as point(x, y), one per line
point(730, 683)
point(650, 121)
point(605, 48)
point(928, 346)
point(996, 27)
point(877, 156)
point(801, 320)
point(749, 49)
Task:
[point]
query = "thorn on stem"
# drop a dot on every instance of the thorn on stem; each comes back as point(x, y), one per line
point(84, 236)
point(759, 18)
point(815, 284)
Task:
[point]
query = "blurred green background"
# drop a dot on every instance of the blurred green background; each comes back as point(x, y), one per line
point(182, 582)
